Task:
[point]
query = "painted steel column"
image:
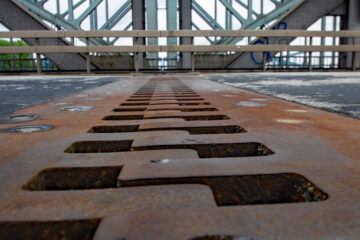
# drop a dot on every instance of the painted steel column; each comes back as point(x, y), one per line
point(171, 20)
point(228, 16)
point(152, 24)
point(138, 18)
point(185, 23)
point(350, 22)
point(323, 42)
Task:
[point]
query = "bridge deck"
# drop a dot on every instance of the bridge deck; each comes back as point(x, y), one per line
point(181, 157)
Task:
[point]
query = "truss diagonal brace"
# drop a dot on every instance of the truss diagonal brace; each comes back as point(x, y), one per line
point(117, 16)
point(87, 12)
point(233, 11)
point(205, 16)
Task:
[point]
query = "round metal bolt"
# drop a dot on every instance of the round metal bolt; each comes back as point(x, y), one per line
point(225, 95)
point(161, 161)
point(250, 104)
point(93, 98)
point(259, 99)
point(290, 121)
point(75, 108)
point(60, 103)
point(296, 110)
point(23, 118)
point(29, 129)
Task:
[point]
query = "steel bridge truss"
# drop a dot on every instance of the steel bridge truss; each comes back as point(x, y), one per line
point(250, 14)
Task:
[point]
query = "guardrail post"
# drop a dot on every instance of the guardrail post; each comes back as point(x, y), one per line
point(136, 62)
point(353, 61)
point(310, 55)
point(12, 61)
point(88, 65)
point(38, 57)
point(264, 58)
point(287, 59)
point(192, 57)
point(136, 57)
point(264, 61)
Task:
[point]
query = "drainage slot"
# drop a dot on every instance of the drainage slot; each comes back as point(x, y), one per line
point(75, 229)
point(198, 109)
point(186, 109)
point(138, 100)
point(191, 130)
point(223, 150)
point(191, 99)
point(114, 129)
point(135, 104)
point(141, 96)
point(186, 118)
point(202, 130)
point(205, 118)
point(129, 109)
point(175, 95)
point(195, 103)
point(123, 117)
point(187, 95)
point(247, 189)
point(221, 237)
point(99, 146)
point(74, 178)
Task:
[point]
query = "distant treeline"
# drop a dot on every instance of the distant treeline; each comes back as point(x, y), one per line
point(20, 61)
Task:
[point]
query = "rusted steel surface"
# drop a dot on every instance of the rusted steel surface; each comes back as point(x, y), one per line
point(179, 157)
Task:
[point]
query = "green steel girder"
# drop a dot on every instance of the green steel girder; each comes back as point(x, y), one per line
point(67, 21)
point(41, 2)
point(78, 4)
point(281, 9)
point(253, 20)
point(152, 24)
point(171, 16)
point(57, 20)
point(205, 16)
point(117, 16)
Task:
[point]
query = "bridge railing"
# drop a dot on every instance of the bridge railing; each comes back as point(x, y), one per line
point(136, 49)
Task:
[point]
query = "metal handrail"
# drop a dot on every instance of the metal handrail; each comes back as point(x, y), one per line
point(136, 49)
point(179, 33)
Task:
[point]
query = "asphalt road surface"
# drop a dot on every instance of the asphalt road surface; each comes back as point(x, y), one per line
point(334, 92)
point(17, 92)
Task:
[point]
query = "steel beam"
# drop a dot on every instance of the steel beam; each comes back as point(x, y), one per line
point(301, 18)
point(171, 24)
point(117, 16)
point(351, 21)
point(152, 24)
point(138, 19)
point(15, 17)
point(205, 16)
point(185, 24)
point(58, 20)
point(262, 20)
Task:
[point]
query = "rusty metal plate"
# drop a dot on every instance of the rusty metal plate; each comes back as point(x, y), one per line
point(177, 157)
